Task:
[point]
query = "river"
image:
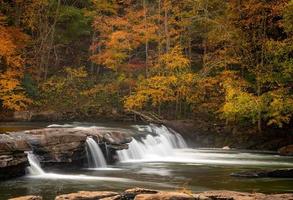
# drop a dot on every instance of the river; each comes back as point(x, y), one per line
point(156, 159)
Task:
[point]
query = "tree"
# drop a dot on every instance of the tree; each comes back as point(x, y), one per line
point(12, 41)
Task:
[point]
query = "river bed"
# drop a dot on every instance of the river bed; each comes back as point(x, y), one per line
point(152, 163)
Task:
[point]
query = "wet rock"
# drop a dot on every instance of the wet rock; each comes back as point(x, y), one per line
point(227, 195)
point(117, 197)
point(165, 196)
point(83, 195)
point(13, 160)
point(230, 195)
point(204, 132)
point(131, 193)
point(281, 173)
point(27, 198)
point(65, 147)
point(286, 150)
point(146, 194)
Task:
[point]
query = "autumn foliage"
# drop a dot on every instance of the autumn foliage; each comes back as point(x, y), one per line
point(227, 61)
point(12, 40)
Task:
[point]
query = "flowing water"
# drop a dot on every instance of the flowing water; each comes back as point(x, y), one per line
point(95, 155)
point(157, 158)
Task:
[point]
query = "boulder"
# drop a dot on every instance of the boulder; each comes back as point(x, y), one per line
point(22, 115)
point(286, 150)
point(165, 196)
point(13, 159)
point(230, 195)
point(131, 193)
point(83, 195)
point(280, 173)
point(27, 198)
point(66, 146)
point(146, 194)
point(117, 197)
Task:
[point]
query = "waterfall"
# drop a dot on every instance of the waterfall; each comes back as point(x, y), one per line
point(35, 167)
point(159, 142)
point(95, 155)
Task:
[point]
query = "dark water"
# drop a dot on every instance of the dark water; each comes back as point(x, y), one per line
point(193, 169)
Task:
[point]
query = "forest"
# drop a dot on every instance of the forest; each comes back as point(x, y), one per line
point(229, 61)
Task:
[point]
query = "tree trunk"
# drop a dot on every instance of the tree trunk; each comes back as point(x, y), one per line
point(146, 38)
point(166, 26)
point(51, 40)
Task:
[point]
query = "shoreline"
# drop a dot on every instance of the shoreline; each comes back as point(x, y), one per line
point(149, 194)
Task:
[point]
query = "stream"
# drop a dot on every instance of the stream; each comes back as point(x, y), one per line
point(157, 158)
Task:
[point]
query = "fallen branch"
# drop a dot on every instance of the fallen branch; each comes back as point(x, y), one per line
point(149, 117)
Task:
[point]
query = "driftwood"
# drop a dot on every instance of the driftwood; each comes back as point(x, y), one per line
point(149, 117)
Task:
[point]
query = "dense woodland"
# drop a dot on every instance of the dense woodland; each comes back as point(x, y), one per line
point(227, 60)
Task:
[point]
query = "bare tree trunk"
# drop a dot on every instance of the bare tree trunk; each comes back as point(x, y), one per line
point(146, 38)
point(259, 70)
point(92, 52)
point(166, 26)
point(51, 40)
point(159, 33)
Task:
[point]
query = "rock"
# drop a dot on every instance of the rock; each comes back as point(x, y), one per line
point(46, 116)
point(13, 160)
point(66, 146)
point(286, 150)
point(22, 116)
point(165, 196)
point(230, 195)
point(226, 148)
point(281, 173)
point(57, 147)
point(117, 197)
point(131, 193)
point(83, 195)
point(146, 194)
point(250, 174)
point(27, 198)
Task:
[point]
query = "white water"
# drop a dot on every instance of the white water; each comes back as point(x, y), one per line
point(161, 143)
point(35, 171)
point(165, 145)
point(95, 155)
point(35, 167)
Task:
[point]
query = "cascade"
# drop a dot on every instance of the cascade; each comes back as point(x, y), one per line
point(160, 142)
point(95, 155)
point(35, 167)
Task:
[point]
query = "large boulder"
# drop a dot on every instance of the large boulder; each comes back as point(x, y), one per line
point(84, 195)
point(55, 146)
point(279, 173)
point(60, 147)
point(131, 193)
point(230, 195)
point(65, 147)
point(13, 159)
point(146, 194)
point(27, 198)
point(165, 196)
point(286, 150)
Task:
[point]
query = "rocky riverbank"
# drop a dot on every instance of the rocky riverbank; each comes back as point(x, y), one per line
point(60, 147)
point(147, 194)
point(13, 160)
point(202, 133)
